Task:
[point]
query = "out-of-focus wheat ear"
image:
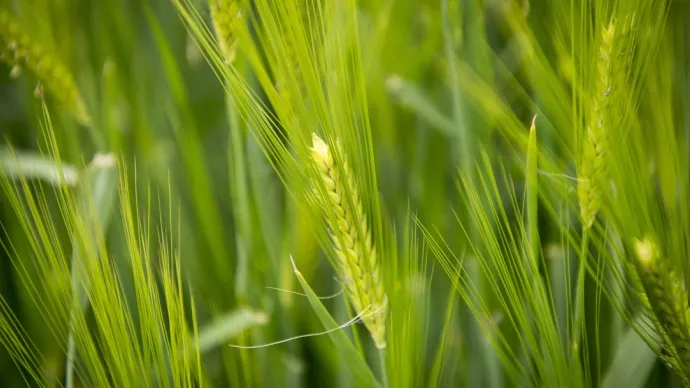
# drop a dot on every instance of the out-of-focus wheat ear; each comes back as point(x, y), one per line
point(640, 294)
point(19, 50)
point(668, 301)
point(592, 174)
point(226, 17)
point(352, 242)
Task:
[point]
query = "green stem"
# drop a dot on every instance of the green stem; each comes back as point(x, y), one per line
point(463, 150)
point(532, 195)
point(580, 290)
point(382, 361)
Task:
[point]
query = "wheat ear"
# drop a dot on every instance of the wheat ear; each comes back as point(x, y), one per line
point(592, 177)
point(226, 17)
point(352, 243)
point(19, 50)
point(668, 302)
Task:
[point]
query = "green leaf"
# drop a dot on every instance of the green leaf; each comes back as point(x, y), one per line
point(632, 364)
point(363, 376)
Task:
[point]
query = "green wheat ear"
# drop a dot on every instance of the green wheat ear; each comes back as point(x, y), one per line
point(668, 301)
point(592, 173)
point(20, 51)
point(352, 242)
point(226, 16)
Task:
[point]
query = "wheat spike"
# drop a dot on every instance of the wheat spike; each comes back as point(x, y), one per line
point(357, 260)
point(19, 50)
point(668, 302)
point(596, 145)
point(226, 17)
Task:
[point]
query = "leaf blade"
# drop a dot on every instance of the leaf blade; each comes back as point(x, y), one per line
point(363, 376)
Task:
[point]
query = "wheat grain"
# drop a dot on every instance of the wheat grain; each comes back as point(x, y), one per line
point(226, 17)
point(357, 260)
point(596, 144)
point(19, 50)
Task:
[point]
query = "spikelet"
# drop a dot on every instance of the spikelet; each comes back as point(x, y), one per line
point(667, 300)
point(356, 254)
point(592, 174)
point(226, 17)
point(21, 52)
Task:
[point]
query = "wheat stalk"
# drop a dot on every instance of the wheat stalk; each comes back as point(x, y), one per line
point(357, 260)
point(19, 50)
point(292, 65)
point(593, 169)
point(666, 298)
point(226, 16)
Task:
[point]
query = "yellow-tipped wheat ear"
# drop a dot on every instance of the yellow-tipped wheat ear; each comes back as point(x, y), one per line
point(20, 51)
point(592, 175)
point(226, 17)
point(352, 243)
point(668, 301)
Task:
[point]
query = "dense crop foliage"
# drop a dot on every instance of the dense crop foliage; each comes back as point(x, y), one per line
point(388, 193)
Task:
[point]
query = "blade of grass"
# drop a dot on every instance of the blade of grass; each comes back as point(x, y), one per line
point(361, 372)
